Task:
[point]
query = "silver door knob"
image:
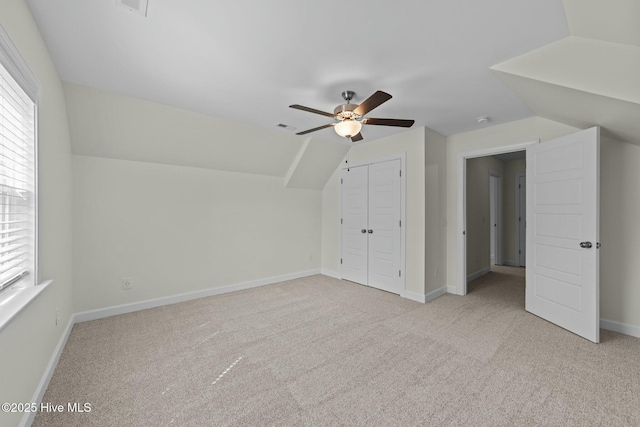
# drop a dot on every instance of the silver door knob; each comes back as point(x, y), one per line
point(370, 231)
point(585, 245)
point(363, 230)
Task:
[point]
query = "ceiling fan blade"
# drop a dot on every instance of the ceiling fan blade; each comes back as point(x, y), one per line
point(357, 137)
point(304, 132)
point(389, 122)
point(311, 110)
point(372, 102)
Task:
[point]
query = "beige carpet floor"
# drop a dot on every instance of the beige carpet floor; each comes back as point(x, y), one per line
point(319, 351)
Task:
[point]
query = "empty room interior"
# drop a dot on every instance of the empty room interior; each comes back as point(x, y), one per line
point(319, 213)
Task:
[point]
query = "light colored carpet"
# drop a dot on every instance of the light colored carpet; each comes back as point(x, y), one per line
point(319, 351)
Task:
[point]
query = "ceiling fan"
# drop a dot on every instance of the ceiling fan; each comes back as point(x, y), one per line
point(349, 118)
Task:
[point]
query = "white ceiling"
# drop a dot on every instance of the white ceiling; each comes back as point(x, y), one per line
point(248, 60)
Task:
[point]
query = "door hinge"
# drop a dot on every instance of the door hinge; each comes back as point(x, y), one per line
point(400, 223)
point(340, 220)
point(519, 251)
point(399, 273)
point(400, 172)
point(341, 181)
point(340, 260)
point(519, 219)
point(519, 185)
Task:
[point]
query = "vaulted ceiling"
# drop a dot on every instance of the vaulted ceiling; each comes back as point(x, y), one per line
point(590, 78)
point(249, 60)
point(204, 83)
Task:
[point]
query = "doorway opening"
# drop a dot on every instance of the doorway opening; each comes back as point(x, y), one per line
point(561, 283)
point(489, 213)
point(493, 214)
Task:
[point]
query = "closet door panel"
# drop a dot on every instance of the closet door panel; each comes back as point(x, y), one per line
point(355, 207)
point(384, 226)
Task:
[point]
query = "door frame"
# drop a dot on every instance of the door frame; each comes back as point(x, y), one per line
point(461, 285)
point(399, 156)
point(521, 245)
point(496, 207)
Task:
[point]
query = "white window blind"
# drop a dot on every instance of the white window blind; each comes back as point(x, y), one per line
point(17, 183)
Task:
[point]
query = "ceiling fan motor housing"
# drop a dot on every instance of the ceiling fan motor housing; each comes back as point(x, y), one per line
point(345, 112)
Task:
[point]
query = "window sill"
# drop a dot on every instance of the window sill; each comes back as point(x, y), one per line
point(16, 298)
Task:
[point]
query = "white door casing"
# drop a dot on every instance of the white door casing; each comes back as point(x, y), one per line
point(521, 209)
point(355, 205)
point(562, 283)
point(461, 215)
point(495, 217)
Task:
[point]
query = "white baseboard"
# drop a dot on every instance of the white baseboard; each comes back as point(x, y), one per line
point(28, 417)
point(479, 273)
point(174, 299)
point(452, 290)
point(414, 296)
point(330, 273)
point(510, 263)
point(622, 328)
point(435, 294)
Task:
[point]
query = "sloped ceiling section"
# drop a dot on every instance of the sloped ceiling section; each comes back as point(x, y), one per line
point(315, 163)
point(105, 124)
point(611, 20)
point(583, 80)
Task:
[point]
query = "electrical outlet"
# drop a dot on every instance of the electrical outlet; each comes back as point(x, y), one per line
point(127, 284)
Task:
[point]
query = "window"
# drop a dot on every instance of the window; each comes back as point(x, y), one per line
point(17, 173)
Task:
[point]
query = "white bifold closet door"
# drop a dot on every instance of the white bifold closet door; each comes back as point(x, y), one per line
point(371, 214)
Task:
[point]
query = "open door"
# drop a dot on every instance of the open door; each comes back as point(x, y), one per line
point(563, 232)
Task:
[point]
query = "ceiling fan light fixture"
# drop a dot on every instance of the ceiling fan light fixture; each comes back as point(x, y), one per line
point(349, 118)
point(348, 128)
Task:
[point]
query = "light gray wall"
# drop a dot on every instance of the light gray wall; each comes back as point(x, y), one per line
point(509, 220)
point(27, 342)
point(435, 175)
point(478, 211)
point(478, 224)
point(619, 232)
point(176, 229)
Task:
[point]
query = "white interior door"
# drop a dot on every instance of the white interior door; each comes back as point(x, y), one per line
point(522, 220)
point(563, 232)
point(355, 205)
point(384, 226)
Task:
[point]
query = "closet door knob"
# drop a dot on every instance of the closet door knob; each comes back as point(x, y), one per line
point(370, 231)
point(363, 231)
